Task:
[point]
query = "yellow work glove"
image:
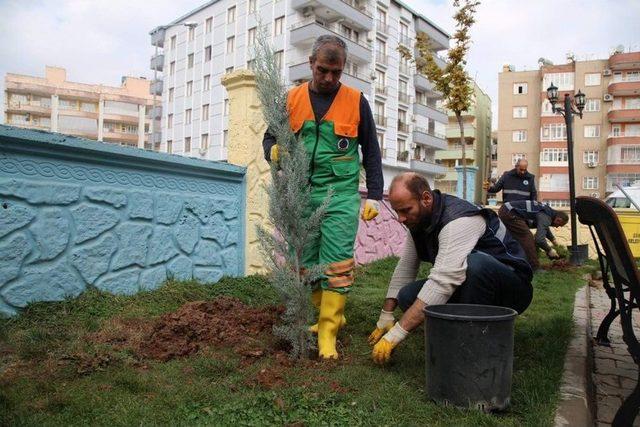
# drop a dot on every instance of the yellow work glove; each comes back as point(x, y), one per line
point(552, 254)
point(274, 154)
point(371, 209)
point(385, 322)
point(381, 353)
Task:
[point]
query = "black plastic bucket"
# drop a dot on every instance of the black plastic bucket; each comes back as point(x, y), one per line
point(469, 355)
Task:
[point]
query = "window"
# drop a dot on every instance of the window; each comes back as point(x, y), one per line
point(205, 112)
point(401, 150)
point(231, 42)
point(277, 26)
point(519, 88)
point(169, 146)
point(187, 116)
point(225, 108)
point(630, 154)
point(519, 112)
point(519, 136)
point(590, 156)
point(170, 94)
point(278, 58)
point(631, 130)
point(231, 15)
point(592, 105)
point(187, 144)
point(225, 138)
point(208, 25)
point(554, 182)
point(592, 131)
point(206, 82)
point(252, 6)
point(192, 33)
point(404, 33)
point(632, 104)
point(553, 132)
point(589, 182)
point(547, 109)
point(228, 70)
point(563, 81)
point(592, 79)
point(173, 42)
point(557, 203)
point(190, 61)
point(207, 54)
point(169, 121)
point(380, 136)
point(172, 68)
point(204, 141)
point(554, 155)
point(517, 156)
point(381, 79)
point(251, 36)
point(189, 88)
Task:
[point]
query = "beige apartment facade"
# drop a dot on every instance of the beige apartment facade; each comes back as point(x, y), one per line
point(606, 138)
point(118, 115)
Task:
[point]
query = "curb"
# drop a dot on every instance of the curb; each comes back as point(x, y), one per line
point(576, 389)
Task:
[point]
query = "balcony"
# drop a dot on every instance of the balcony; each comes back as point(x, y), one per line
point(469, 154)
point(440, 62)
point(621, 156)
point(404, 68)
point(403, 98)
point(381, 90)
point(356, 12)
point(453, 131)
point(157, 62)
point(157, 36)
point(304, 33)
point(403, 127)
point(155, 88)
point(626, 115)
point(428, 167)
point(380, 120)
point(405, 40)
point(422, 83)
point(429, 138)
point(439, 39)
point(431, 112)
point(359, 81)
point(36, 107)
point(625, 61)
point(382, 28)
point(627, 86)
point(623, 138)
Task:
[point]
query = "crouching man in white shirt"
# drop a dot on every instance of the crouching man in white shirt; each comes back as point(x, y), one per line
point(475, 261)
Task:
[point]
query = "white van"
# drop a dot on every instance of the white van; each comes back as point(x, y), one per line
point(617, 199)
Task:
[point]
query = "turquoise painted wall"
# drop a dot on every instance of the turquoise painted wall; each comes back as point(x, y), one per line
point(76, 214)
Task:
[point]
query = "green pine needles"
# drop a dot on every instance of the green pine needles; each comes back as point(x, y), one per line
point(295, 223)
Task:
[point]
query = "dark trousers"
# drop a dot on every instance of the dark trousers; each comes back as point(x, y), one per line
point(520, 231)
point(488, 282)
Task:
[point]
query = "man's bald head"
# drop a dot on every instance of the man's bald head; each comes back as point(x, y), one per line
point(414, 183)
point(410, 196)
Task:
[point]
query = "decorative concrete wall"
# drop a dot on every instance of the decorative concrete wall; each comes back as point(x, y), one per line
point(380, 238)
point(244, 148)
point(76, 214)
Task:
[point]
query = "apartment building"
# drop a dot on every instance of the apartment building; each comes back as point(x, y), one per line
point(477, 136)
point(191, 59)
point(111, 114)
point(606, 139)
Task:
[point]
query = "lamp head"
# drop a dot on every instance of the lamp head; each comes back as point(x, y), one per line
point(552, 94)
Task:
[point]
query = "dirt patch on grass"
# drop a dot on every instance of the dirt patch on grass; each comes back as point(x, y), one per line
point(223, 322)
point(561, 265)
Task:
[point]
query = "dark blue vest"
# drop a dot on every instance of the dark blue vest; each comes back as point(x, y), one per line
point(496, 240)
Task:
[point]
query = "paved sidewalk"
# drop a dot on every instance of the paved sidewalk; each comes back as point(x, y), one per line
point(615, 374)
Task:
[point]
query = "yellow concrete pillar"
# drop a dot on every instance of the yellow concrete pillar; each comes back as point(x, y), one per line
point(246, 129)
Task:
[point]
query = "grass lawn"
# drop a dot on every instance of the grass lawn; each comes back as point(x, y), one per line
point(51, 374)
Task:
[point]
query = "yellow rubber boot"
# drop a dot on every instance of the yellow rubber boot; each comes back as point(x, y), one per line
point(316, 298)
point(329, 323)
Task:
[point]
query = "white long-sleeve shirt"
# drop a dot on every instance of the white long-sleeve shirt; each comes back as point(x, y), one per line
point(455, 242)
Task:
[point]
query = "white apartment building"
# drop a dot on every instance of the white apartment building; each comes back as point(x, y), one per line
point(193, 117)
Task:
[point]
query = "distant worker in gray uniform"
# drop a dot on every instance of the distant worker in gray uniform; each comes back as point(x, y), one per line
point(522, 215)
point(516, 184)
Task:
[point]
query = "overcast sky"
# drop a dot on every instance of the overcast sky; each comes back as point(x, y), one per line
point(98, 41)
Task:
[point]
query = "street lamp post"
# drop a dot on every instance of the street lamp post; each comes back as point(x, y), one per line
point(568, 111)
point(152, 130)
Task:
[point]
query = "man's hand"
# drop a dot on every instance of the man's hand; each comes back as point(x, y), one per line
point(554, 242)
point(381, 353)
point(275, 153)
point(384, 324)
point(371, 209)
point(552, 254)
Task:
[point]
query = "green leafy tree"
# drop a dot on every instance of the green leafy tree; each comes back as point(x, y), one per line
point(294, 222)
point(452, 81)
